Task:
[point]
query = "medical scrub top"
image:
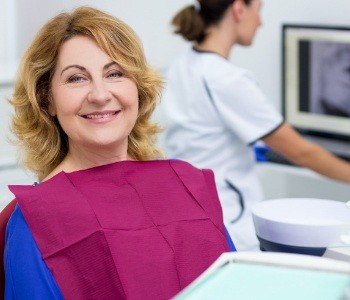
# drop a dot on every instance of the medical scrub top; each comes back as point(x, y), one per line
point(213, 113)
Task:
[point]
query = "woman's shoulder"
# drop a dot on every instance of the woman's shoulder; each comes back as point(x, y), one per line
point(217, 67)
point(18, 237)
point(27, 276)
point(16, 226)
point(185, 167)
point(183, 164)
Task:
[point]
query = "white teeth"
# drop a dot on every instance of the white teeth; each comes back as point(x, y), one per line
point(99, 116)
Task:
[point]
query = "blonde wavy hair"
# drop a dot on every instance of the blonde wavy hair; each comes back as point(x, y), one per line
point(41, 139)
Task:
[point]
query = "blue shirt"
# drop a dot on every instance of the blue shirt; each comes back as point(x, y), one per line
point(27, 276)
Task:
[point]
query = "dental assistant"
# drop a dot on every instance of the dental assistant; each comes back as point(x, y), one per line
point(214, 112)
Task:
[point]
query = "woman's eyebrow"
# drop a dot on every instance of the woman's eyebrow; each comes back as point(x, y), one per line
point(109, 65)
point(84, 69)
point(73, 66)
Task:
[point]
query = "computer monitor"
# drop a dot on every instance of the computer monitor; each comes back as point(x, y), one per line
point(316, 79)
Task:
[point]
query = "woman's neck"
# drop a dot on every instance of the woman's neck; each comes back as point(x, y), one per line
point(83, 159)
point(220, 37)
point(212, 46)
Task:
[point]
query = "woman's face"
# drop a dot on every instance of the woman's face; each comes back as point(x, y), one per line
point(250, 23)
point(95, 102)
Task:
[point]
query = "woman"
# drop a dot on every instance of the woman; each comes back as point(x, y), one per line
point(107, 220)
point(215, 111)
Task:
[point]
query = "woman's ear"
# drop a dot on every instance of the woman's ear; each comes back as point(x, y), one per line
point(237, 8)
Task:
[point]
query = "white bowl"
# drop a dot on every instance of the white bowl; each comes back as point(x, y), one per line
point(303, 222)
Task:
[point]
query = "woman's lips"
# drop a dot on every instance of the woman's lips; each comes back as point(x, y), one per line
point(97, 116)
point(101, 117)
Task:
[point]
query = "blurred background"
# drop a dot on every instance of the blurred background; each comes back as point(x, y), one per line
point(20, 20)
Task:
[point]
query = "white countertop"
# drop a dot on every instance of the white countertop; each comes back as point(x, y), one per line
point(339, 253)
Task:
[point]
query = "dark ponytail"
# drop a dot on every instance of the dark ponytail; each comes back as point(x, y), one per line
point(192, 21)
point(189, 24)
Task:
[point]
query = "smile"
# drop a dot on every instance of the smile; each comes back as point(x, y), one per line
point(100, 115)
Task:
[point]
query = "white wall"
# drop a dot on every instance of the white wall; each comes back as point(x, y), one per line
point(20, 19)
point(7, 25)
point(150, 19)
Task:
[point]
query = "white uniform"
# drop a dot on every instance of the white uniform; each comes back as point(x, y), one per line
point(213, 112)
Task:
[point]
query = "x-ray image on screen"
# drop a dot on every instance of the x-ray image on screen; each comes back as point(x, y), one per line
point(316, 79)
point(330, 78)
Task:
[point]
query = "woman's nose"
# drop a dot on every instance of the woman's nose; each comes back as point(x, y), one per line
point(99, 93)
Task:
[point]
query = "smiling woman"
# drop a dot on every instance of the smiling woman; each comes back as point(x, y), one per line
point(95, 103)
point(109, 219)
point(52, 58)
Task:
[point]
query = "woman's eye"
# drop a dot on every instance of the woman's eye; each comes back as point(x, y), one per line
point(75, 78)
point(115, 74)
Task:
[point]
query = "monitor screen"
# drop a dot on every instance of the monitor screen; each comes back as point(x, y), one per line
point(316, 79)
